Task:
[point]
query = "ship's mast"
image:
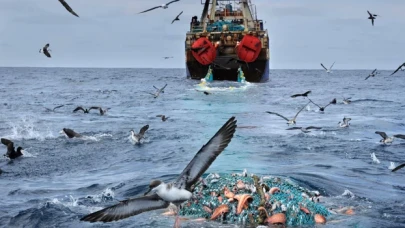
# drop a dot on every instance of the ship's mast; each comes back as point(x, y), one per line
point(247, 15)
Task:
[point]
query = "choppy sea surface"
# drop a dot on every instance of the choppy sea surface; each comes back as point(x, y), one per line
point(59, 180)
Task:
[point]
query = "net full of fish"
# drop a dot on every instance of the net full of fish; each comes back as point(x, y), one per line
point(250, 199)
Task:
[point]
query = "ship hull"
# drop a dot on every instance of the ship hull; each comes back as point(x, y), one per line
point(257, 71)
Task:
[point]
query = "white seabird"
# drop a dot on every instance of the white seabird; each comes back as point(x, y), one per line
point(137, 137)
point(164, 6)
point(326, 69)
point(289, 121)
point(345, 122)
point(388, 140)
point(176, 192)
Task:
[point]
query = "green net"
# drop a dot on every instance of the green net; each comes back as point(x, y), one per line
point(252, 202)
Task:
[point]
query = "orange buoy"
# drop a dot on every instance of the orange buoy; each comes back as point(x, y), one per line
point(203, 51)
point(249, 48)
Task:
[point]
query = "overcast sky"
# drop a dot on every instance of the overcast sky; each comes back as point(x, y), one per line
point(110, 33)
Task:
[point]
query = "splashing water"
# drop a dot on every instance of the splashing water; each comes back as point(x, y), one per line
point(392, 166)
point(375, 159)
point(26, 129)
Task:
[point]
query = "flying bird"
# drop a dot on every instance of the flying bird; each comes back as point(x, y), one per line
point(164, 6)
point(398, 167)
point(301, 94)
point(158, 91)
point(137, 137)
point(52, 110)
point(345, 122)
point(290, 121)
point(388, 140)
point(401, 67)
point(45, 50)
point(177, 17)
point(328, 70)
point(67, 7)
point(304, 129)
point(371, 17)
point(321, 108)
point(372, 74)
point(164, 118)
point(176, 192)
point(168, 57)
point(11, 153)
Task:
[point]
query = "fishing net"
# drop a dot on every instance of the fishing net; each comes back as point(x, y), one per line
point(250, 199)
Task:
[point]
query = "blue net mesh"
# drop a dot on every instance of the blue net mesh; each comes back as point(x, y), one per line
point(291, 200)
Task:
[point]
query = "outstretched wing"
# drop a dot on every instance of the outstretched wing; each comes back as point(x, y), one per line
point(274, 113)
point(332, 66)
point(367, 77)
point(161, 90)
point(332, 102)
point(144, 129)
point(374, 71)
point(293, 128)
point(300, 110)
point(127, 208)
point(207, 155)
point(159, 115)
point(94, 107)
point(46, 52)
point(382, 134)
point(179, 14)
point(369, 13)
point(59, 106)
point(398, 69)
point(6, 141)
point(78, 108)
point(172, 2)
point(398, 167)
point(400, 136)
point(67, 7)
point(150, 9)
point(312, 127)
point(324, 67)
point(314, 103)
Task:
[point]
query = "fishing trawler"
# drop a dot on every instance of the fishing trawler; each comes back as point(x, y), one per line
point(228, 38)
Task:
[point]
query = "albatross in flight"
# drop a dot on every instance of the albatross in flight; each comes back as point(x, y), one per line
point(388, 140)
point(164, 6)
point(45, 50)
point(328, 70)
point(304, 129)
point(11, 153)
point(321, 108)
point(290, 121)
point(371, 17)
point(67, 7)
point(301, 94)
point(372, 74)
point(401, 67)
point(176, 192)
point(158, 91)
point(177, 17)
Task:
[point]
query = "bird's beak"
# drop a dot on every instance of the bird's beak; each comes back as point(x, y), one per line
point(23, 151)
point(61, 132)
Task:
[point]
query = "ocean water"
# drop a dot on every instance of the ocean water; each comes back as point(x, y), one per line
point(59, 180)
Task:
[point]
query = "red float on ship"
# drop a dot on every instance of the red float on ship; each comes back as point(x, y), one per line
point(203, 51)
point(249, 48)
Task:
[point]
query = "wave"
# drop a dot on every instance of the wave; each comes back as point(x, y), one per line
point(26, 128)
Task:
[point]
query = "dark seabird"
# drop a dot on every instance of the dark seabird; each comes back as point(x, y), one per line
point(328, 70)
point(304, 129)
point(168, 57)
point(301, 94)
point(372, 74)
point(177, 17)
point(45, 50)
point(11, 153)
point(67, 7)
point(102, 111)
point(164, 6)
point(52, 110)
point(289, 121)
point(345, 122)
point(137, 137)
point(70, 133)
point(323, 108)
point(398, 167)
point(399, 68)
point(164, 118)
point(371, 17)
point(176, 192)
point(388, 140)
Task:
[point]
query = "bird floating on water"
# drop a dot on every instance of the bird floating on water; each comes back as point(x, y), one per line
point(164, 6)
point(401, 67)
point(321, 108)
point(388, 140)
point(326, 69)
point(45, 50)
point(345, 122)
point(372, 74)
point(290, 121)
point(177, 17)
point(176, 192)
point(11, 153)
point(347, 100)
point(163, 117)
point(67, 7)
point(136, 138)
point(304, 129)
point(372, 17)
point(301, 94)
point(70, 133)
